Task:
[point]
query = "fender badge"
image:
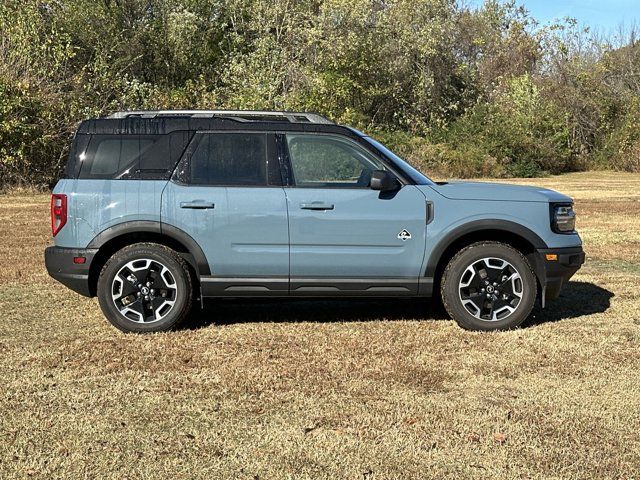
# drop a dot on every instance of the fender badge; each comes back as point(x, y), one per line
point(404, 235)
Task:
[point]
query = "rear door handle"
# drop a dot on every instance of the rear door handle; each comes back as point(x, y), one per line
point(316, 206)
point(197, 204)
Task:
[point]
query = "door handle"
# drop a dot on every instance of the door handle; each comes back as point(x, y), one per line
point(197, 204)
point(316, 206)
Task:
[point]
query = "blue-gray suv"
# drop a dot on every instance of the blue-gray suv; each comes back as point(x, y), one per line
point(159, 209)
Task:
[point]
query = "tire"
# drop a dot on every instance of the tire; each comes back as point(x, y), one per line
point(488, 286)
point(145, 287)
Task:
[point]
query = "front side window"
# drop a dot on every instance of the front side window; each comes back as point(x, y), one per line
point(329, 161)
point(233, 159)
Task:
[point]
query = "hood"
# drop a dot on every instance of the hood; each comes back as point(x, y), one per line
point(458, 190)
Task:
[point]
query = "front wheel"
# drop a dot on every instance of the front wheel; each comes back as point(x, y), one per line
point(145, 287)
point(488, 286)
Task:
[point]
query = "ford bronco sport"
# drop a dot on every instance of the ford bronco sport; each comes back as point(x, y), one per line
point(158, 209)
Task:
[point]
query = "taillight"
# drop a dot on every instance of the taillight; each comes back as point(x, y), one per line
point(58, 212)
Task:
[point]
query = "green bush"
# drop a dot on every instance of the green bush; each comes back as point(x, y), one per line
point(527, 135)
point(621, 147)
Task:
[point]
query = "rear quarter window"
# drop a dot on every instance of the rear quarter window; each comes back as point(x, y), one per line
point(131, 157)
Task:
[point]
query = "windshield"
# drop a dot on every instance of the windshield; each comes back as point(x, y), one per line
point(410, 171)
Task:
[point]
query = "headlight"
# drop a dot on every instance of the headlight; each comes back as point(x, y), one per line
point(563, 218)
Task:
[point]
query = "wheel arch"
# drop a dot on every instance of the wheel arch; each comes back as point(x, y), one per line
point(118, 236)
point(518, 236)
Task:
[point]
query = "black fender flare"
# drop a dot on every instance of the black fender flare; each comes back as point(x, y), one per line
point(138, 226)
point(477, 226)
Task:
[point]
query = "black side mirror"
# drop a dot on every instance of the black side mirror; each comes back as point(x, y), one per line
point(384, 181)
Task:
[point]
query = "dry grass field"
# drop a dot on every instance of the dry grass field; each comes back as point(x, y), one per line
point(326, 389)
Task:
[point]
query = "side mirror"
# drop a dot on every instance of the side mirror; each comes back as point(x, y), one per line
point(384, 181)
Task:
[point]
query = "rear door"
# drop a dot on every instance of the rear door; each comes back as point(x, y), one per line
point(345, 237)
point(227, 194)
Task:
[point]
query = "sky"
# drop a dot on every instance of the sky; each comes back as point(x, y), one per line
point(602, 15)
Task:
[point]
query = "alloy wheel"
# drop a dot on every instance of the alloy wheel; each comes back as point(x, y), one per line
point(491, 289)
point(144, 290)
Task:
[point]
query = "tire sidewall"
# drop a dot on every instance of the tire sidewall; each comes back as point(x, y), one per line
point(471, 254)
point(153, 252)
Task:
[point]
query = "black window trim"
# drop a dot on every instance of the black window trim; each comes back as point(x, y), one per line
point(273, 150)
point(287, 167)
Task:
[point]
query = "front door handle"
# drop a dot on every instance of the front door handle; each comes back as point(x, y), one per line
point(316, 206)
point(197, 204)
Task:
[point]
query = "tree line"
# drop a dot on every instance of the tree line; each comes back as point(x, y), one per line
point(458, 91)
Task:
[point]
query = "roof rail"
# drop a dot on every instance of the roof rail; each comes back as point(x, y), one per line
point(239, 115)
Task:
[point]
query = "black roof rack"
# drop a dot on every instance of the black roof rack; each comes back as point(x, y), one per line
point(238, 115)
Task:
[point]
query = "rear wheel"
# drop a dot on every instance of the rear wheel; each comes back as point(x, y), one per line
point(489, 286)
point(145, 287)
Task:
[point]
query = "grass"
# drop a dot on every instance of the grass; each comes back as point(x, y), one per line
point(324, 389)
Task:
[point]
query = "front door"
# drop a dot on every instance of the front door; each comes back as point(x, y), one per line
point(227, 195)
point(345, 237)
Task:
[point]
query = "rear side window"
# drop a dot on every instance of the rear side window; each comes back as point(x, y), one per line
point(126, 157)
point(227, 159)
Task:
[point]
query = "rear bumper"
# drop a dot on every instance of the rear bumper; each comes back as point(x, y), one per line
point(554, 273)
point(60, 265)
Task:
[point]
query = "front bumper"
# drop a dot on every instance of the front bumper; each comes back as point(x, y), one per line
point(554, 267)
point(60, 265)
